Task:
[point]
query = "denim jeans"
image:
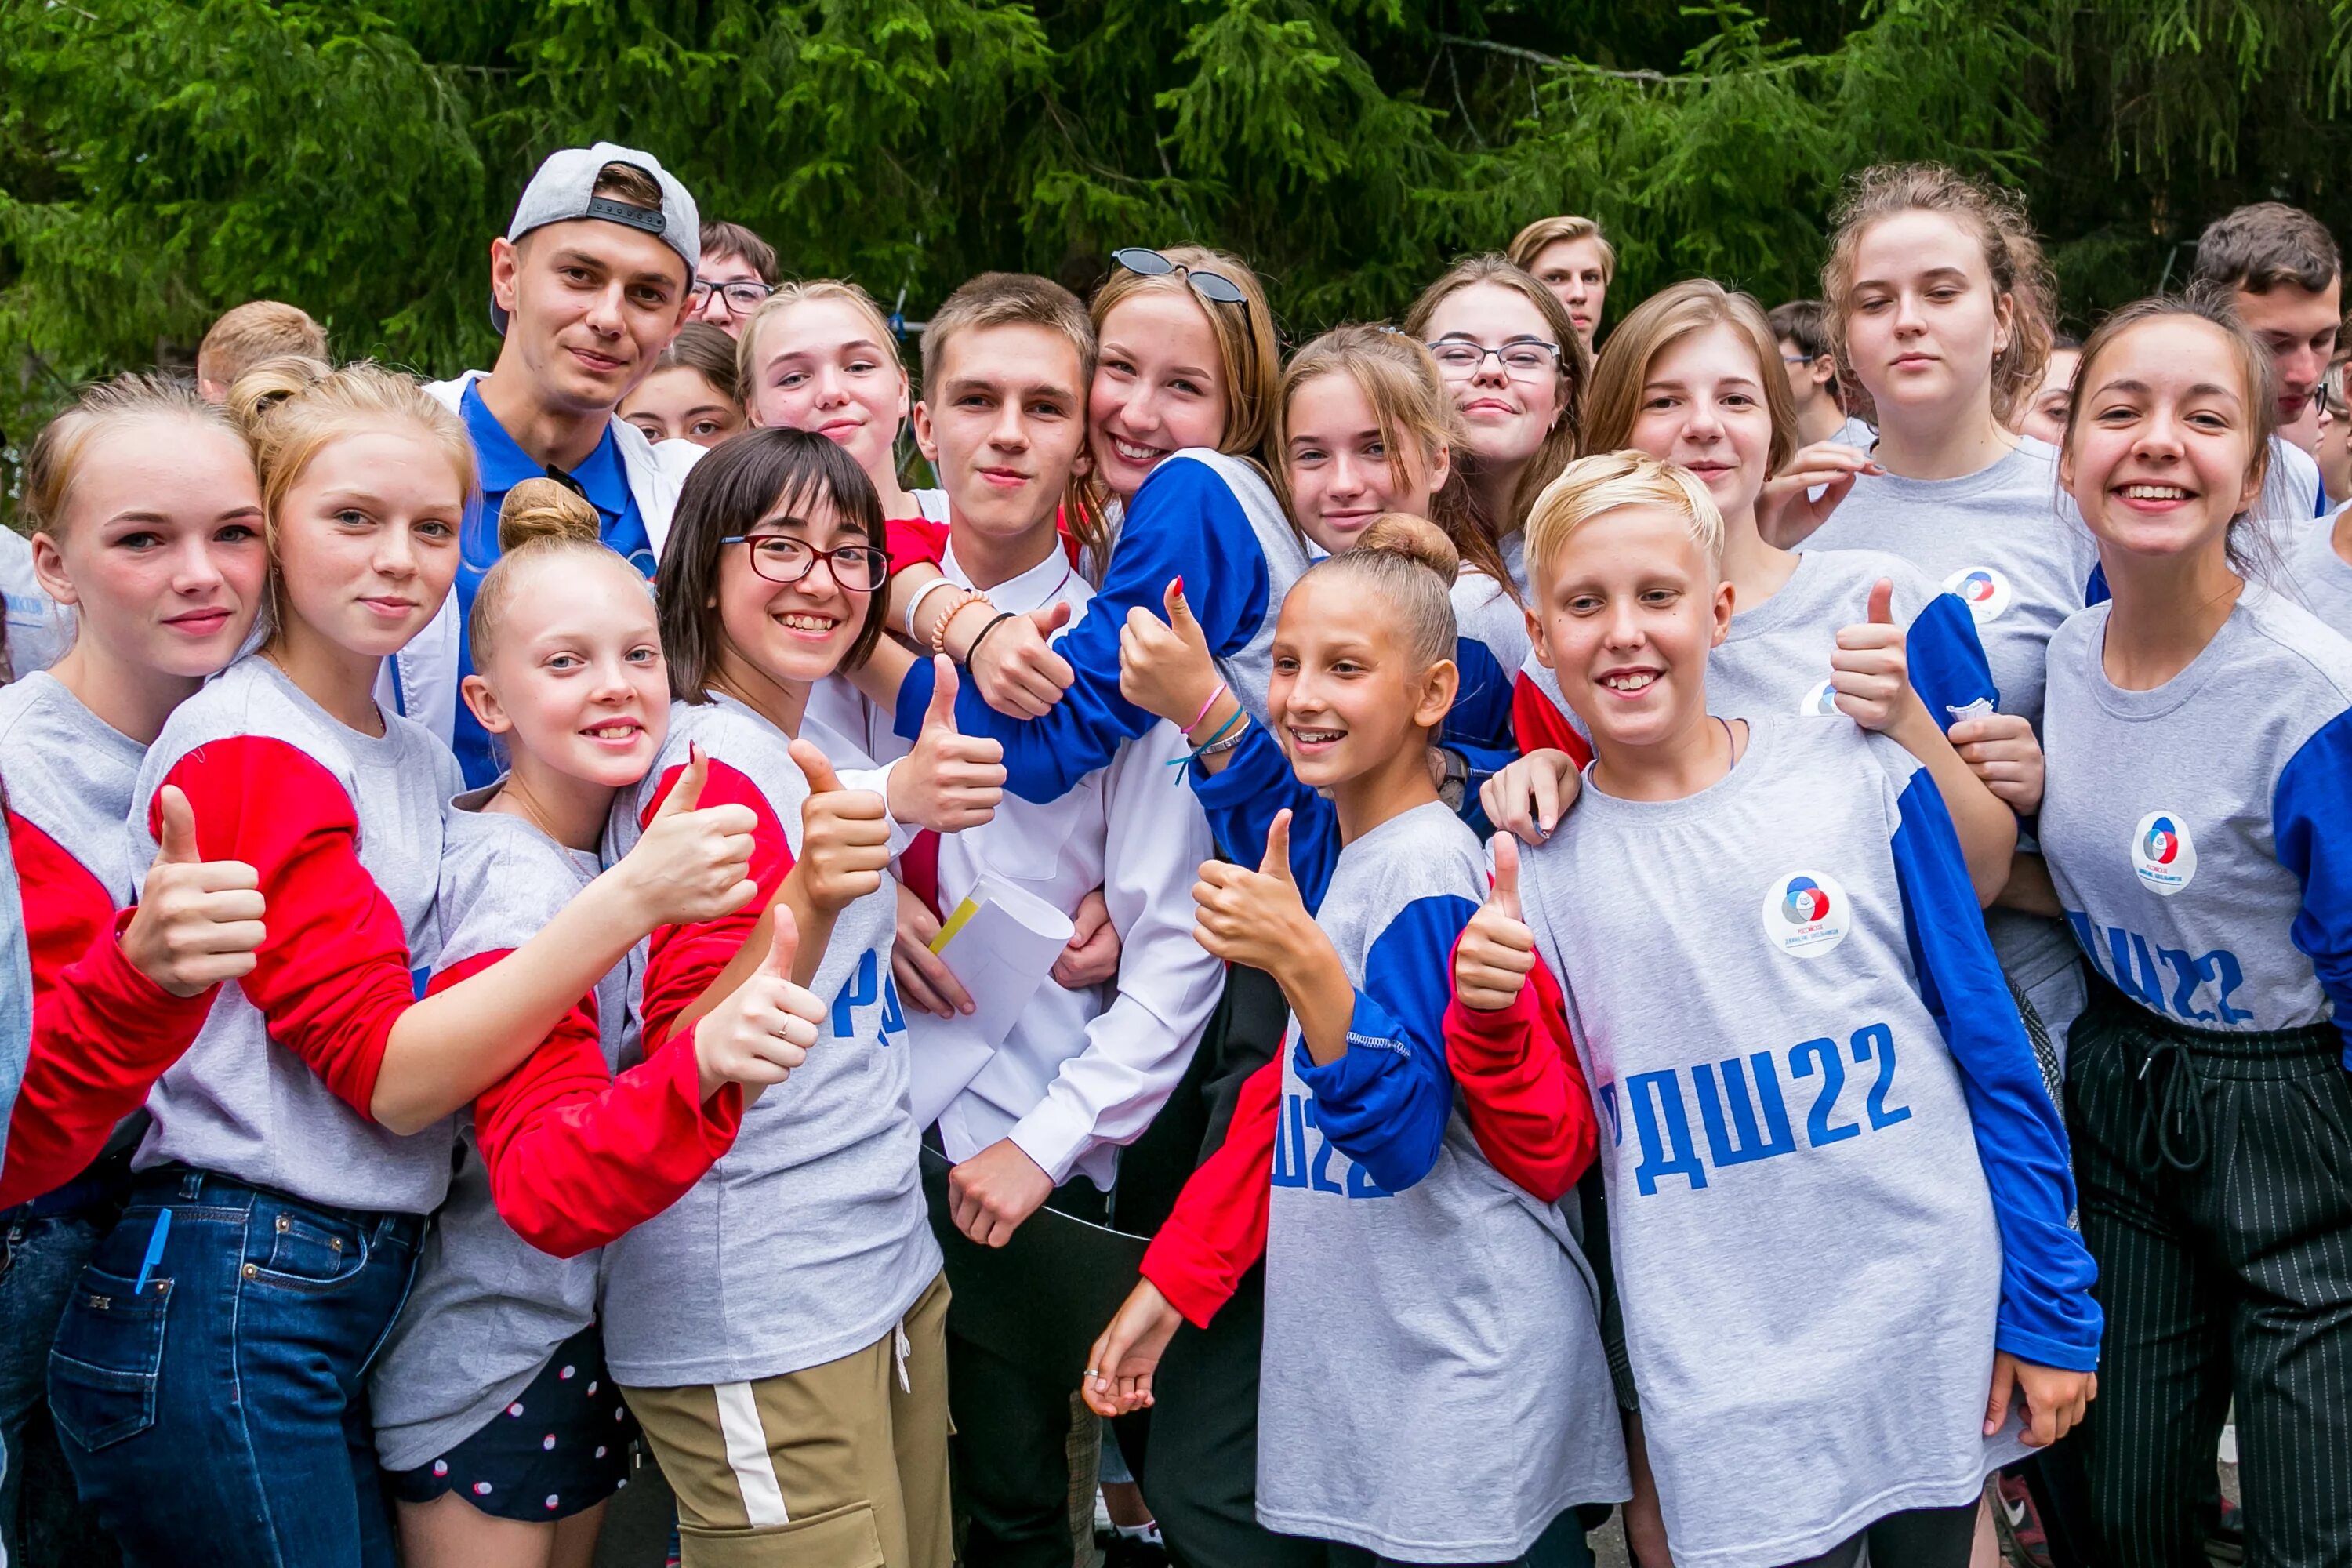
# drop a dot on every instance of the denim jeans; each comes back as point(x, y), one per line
point(219, 1415)
point(41, 1253)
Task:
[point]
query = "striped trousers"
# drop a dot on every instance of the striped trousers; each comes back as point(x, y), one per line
point(2215, 1173)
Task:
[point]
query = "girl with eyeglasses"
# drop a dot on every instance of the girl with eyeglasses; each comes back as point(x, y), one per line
point(2319, 559)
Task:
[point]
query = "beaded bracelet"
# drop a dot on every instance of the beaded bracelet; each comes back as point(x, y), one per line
point(940, 632)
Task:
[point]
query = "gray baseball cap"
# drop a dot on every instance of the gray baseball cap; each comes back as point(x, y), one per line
point(564, 189)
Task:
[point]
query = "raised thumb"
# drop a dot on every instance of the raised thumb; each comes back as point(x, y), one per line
point(822, 778)
point(1506, 895)
point(177, 840)
point(940, 714)
point(1179, 609)
point(784, 946)
point(1051, 620)
point(1278, 847)
point(686, 792)
point(1881, 603)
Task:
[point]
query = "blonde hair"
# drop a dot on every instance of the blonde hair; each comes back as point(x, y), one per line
point(1247, 350)
point(1612, 481)
point(55, 460)
point(539, 519)
point(1567, 436)
point(1409, 566)
point(1409, 405)
point(291, 409)
point(1546, 232)
point(255, 331)
point(1656, 325)
point(799, 292)
point(1997, 219)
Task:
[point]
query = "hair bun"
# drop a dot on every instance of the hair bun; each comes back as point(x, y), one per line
point(1414, 539)
point(258, 392)
point(543, 508)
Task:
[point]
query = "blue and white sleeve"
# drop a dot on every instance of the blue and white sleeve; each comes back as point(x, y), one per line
point(1481, 716)
point(2047, 1314)
point(1184, 523)
point(1241, 802)
point(1386, 1100)
point(1948, 669)
point(2307, 825)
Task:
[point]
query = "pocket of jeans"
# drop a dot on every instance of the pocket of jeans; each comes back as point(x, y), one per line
point(107, 1359)
point(301, 1253)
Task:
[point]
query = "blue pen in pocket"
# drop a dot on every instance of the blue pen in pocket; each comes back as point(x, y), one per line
point(154, 1250)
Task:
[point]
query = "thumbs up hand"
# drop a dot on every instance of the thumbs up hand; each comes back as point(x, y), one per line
point(1869, 670)
point(693, 862)
point(765, 1028)
point(1253, 917)
point(1016, 665)
point(844, 837)
point(1497, 952)
point(950, 781)
point(1164, 665)
point(198, 921)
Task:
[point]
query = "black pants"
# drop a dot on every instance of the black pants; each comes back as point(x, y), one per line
point(1916, 1538)
point(2216, 1179)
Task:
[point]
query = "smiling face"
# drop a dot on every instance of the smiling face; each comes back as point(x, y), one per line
point(1005, 426)
point(1703, 406)
point(1346, 693)
point(2044, 417)
point(1338, 465)
point(678, 405)
point(575, 677)
point(367, 539)
point(1572, 269)
point(2298, 326)
point(1924, 323)
point(818, 366)
point(2161, 456)
point(1159, 386)
point(159, 549)
point(788, 634)
point(1627, 610)
point(591, 305)
point(1505, 417)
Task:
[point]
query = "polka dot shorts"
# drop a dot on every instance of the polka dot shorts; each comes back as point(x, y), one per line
point(560, 1446)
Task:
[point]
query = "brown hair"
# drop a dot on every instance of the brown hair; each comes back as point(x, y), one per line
point(1664, 318)
point(708, 351)
point(1806, 323)
point(1612, 481)
point(1409, 566)
point(2210, 304)
point(539, 519)
point(255, 331)
point(720, 238)
point(53, 460)
point(2265, 244)
point(627, 182)
point(1247, 350)
point(292, 408)
point(1997, 219)
point(1546, 232)
point(740, 482)
point(1567, 436)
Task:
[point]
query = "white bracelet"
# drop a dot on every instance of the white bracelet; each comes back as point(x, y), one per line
point(921, 593)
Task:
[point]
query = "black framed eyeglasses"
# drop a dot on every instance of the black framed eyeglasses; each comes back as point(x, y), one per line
point(1526, 359)
point(1208, 285)
point(743, 296)
point(782, 558)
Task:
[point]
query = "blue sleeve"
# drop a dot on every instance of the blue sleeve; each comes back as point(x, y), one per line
point(2047, 1314)
point(2308, 825)
point(1184, 523)
point(1385, 1101)
point(1947, 660)
point(1241, 803)
point(1481, 716)
point(2094, 591)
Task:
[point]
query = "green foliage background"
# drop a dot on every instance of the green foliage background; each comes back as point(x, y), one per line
point(160, 161)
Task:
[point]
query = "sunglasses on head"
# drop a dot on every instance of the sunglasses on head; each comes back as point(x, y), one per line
point(1207, 285)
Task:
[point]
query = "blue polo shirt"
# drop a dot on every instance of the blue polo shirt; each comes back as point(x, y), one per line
point(602, 478)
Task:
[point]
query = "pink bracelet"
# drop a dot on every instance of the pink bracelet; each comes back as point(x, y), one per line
point(1203, 713)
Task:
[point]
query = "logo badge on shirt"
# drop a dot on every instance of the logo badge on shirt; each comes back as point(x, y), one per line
point(2162, 853)
point(1805, 913)
point(1819, 702)
point(1986, 591)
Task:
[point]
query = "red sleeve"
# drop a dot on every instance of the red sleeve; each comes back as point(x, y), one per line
point(1523, 1089)
point(682, 961)
point(332, 977)
point(577, 1157)
point(103, 1032)
point(1538, 722)
point(1218, 1227)
point(910, 540)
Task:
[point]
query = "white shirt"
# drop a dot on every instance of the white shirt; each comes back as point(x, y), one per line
point(1084, 1072)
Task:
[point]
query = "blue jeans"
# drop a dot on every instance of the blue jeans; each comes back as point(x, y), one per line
point(43, 1247)
point(220, 1416)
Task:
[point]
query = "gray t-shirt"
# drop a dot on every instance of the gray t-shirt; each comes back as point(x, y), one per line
point(2320, 578)
point(39, 629)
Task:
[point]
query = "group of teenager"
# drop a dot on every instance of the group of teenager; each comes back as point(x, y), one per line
point(1721, 930)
